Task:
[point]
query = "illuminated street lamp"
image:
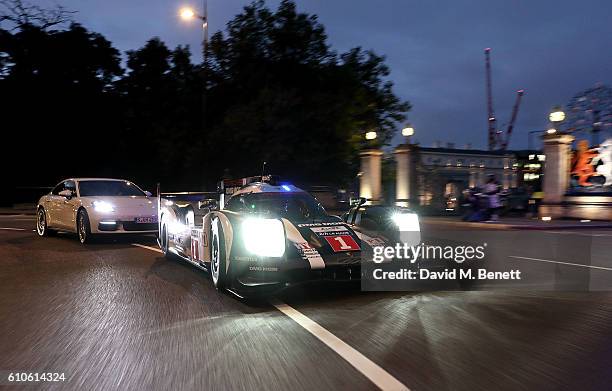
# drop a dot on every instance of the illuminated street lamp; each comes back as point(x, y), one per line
point(189, 14)
point(408, 131)
point(371, 135)
point(557, 115)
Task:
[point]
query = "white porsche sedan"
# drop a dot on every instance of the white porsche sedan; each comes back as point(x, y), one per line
point(92, 206)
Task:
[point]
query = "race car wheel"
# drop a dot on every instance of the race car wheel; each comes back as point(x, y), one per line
point(41, 224)
point(83, 227)
point(165, 242)
point(217, 254)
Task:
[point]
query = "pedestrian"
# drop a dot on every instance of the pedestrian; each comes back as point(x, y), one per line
point(491, 189)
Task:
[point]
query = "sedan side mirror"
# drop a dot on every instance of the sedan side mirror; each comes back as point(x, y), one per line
point(66, 193)
point(208, 203)
point(148, 193)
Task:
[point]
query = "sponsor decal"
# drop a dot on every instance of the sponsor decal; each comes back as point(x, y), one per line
point(335, 223)
point(247, 259)
point(332, 230)
point(263, 268)
point(342, 243)
point(308, 253)
point(302, 245)
point(304, 249)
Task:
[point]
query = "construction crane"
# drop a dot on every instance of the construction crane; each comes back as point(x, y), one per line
point(515, 109)
point(496, 137)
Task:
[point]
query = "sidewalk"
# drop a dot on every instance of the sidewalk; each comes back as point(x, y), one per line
point(19, 209)
point(516, 223)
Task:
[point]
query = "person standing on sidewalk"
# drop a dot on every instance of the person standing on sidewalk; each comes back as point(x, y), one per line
point(491, 189)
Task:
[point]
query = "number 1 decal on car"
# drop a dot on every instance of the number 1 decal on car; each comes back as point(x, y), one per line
point(342, 243)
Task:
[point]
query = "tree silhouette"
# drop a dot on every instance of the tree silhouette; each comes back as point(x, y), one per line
point(19, 13)
point(283, 96)
point(59, 110)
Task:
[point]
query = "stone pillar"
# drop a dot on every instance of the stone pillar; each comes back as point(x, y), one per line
point(370, 181)
point(557, 148)
point(405, 191)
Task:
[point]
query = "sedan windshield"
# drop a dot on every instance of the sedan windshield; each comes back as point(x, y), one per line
point(296, 207)
point(109, 188)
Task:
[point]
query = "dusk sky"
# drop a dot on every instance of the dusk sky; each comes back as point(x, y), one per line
point(552, 49)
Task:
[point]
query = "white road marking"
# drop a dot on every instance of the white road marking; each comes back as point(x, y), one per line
point(148, 247)
point(562, 263)
point(579, 233)
point(13, 229)
point(381, 378)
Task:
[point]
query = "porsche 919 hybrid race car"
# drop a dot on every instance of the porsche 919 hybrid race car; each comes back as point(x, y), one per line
point(267, 235)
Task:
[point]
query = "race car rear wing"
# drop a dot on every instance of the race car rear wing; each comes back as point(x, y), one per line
point(197, 198)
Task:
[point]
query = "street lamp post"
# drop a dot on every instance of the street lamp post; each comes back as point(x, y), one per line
point(187, 14)
point(556, 117)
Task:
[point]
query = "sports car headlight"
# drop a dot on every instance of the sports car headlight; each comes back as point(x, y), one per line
point(103, 207)
point(264, 237)
point(406, 221)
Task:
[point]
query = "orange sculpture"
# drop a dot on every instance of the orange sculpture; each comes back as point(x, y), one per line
point(582, 163)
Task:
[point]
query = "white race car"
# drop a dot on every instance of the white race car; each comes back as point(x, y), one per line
point(90, 206)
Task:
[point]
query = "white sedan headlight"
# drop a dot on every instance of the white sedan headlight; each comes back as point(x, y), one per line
point(103, 207)
point(264, 237)
point(406, 221)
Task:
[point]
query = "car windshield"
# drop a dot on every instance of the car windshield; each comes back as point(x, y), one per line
point(296, 207)
point(109, 188)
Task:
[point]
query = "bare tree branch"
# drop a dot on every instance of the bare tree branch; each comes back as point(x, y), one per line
point(19, 13)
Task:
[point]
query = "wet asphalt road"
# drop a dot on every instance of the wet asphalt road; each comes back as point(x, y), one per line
point(115, 316)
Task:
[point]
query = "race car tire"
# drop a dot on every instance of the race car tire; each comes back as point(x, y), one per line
point(217, 254)
point(83, 227)
point(41, 223)
point(165, 243)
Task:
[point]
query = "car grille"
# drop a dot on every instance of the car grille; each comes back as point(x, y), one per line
point(333, 273)
point(132, 226)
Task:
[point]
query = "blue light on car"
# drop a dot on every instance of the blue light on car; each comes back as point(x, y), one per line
point(286, 187)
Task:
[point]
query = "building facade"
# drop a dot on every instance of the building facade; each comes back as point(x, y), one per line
point(442, 174)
